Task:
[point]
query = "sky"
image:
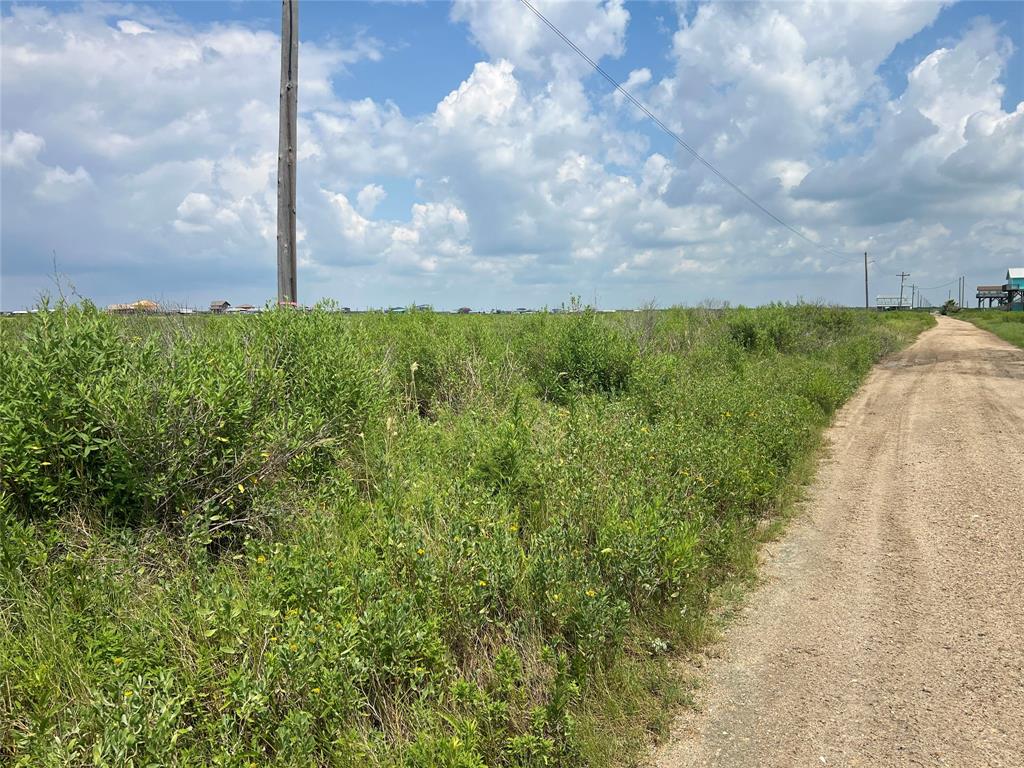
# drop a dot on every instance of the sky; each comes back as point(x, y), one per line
point(462, 155)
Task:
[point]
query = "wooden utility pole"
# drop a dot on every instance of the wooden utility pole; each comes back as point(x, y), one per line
point(903, 276)
point(287, 290)
point(867, 305)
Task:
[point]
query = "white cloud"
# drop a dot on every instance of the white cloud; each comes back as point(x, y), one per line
point(529, 181)
point(19, 149)
point(130, 27)
point(370, 197)
point(510, 32)
point(60, 186)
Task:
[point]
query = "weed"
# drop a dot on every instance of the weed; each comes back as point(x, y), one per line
point(420, 540)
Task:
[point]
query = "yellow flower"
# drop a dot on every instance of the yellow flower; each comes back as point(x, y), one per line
point(261, 559)
point(591, 593)
point(482, 582)
point(273, 638)
point(241, 488)
point(293, 646)
point(129, 693)
point(316, 690)
point(118, 660)
point(420, 551)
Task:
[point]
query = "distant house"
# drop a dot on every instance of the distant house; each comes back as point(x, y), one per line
point(219, 305)
point(1015, 288)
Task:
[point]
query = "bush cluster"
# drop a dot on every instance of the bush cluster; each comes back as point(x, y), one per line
point(419, 540)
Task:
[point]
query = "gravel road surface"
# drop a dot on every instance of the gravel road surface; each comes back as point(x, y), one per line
point(889, 627)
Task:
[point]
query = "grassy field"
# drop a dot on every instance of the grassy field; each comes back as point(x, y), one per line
point(1005, 325)
point(419, 540)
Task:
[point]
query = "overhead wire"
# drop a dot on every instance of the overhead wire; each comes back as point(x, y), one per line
point(682, 143)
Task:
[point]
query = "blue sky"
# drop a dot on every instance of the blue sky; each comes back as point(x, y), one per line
point(458, 154)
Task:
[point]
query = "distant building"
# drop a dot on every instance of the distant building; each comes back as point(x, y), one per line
point(992, 294)
point(1015, 288)
point(219, 305)
point(142, 305)
point(464, 310)
point(893, 302)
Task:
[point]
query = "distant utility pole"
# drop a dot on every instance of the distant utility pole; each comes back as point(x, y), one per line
point(287, 290)
point(903, 277)
point(867, 304)
point(913, 295)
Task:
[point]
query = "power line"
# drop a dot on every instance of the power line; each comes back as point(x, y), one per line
point(679, 140)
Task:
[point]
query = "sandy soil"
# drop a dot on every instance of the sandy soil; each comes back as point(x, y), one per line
point(889, 629)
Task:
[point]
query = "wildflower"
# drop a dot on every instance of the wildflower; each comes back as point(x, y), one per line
point(293, 646)
point(420, 551)
point(316, 690)
point(129, 693)
point(273, 638)
point(241, 488)
point(514, 527)
point(118, 660)
point(261, 559)
point(482, 582)
point(591, 593)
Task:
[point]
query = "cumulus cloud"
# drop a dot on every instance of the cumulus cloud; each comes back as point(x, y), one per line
point(60, 186)
point(531, 181)
point(369, 198)
point(20, 148)
point(945, 149)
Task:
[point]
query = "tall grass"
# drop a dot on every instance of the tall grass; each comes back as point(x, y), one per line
point(420, 540)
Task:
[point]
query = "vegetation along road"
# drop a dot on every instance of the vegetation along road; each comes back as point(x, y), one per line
point(889, 631)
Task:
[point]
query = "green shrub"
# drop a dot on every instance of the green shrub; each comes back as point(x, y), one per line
point(418, 540)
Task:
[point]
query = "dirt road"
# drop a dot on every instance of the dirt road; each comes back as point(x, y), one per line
point(889, 630)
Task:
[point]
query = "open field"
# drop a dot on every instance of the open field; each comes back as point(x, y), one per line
point(888, 631)
point(1005, 325)
point(418, 540)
